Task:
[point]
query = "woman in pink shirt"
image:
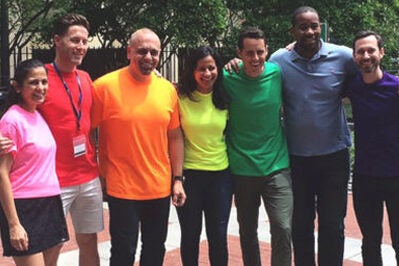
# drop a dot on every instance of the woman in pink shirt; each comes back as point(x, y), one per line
point(32, 222)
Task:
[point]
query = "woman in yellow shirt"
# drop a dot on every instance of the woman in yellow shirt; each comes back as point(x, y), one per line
point(208, 185)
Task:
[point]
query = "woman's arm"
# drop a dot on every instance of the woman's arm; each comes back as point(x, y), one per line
point(18, 235)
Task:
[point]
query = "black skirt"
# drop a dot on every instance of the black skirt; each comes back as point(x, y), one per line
point(44, 221)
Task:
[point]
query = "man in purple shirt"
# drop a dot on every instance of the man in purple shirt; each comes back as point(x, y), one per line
point(375, 106)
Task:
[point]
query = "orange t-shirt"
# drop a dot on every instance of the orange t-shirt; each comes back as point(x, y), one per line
point(133, 120)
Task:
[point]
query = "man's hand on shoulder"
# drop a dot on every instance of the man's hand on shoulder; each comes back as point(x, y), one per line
point(290, 46)
point(233, 65)
point(5, 144)
point(157, 73)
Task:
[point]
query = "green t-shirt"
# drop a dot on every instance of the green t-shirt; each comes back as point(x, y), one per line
point(256, 142)
point(203, 126)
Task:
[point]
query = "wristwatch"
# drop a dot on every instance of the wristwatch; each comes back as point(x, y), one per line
point(180, 178)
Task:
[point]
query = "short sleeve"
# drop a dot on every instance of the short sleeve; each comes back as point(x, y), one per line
point(96, 112)
point(175, 118)
point(10, 131)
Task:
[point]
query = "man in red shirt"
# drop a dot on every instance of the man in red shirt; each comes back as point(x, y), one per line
point(67, 112)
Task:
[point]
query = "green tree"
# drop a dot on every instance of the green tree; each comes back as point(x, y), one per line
point(177, 23)
point(190, 23)
point(30, 18)
point(344, 18)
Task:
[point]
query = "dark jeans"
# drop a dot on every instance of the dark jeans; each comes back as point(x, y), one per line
point(125, 219)
point(320, 185)
point(369, 195)
point(275, 190)
point(208, 192)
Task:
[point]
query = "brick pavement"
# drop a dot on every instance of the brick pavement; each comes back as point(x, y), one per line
point(172, 258)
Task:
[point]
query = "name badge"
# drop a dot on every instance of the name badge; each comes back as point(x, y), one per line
point(79, 145)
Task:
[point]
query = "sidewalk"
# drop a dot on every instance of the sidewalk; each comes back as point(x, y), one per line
point(352, 255)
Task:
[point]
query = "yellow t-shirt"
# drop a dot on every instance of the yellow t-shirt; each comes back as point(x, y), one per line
point(203, 126)
point(133, 120)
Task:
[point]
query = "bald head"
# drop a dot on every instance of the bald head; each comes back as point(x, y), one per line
point(141, 33)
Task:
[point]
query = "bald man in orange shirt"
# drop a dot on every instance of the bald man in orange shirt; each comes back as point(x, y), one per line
point(140, 151)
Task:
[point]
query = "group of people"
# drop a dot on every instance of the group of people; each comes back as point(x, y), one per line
point(48, 164)
point(259, 130)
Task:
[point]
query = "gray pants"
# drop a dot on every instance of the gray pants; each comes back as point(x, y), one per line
point(276, 192)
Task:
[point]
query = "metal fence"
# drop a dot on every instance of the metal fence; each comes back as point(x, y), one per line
point(99, 61)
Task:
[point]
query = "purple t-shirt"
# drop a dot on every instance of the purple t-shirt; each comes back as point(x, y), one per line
point(33, 172)
point(375, 110)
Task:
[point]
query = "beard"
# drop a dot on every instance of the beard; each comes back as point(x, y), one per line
point(146, 68)
point(369, 68)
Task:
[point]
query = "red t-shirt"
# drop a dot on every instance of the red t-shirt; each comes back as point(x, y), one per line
point(58, 112)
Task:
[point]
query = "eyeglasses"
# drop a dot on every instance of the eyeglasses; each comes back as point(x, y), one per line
point(145, 51)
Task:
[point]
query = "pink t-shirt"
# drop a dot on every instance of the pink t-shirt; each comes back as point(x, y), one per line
point(33, 172)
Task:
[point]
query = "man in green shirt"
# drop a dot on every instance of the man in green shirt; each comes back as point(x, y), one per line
point(257, 149)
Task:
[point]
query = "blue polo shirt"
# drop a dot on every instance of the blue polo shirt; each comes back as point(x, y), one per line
point(312, 91)
point(375, 109)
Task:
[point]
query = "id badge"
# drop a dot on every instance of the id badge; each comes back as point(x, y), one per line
point(79, 145)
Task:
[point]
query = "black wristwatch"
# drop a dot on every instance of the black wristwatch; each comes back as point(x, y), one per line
point(180, 178)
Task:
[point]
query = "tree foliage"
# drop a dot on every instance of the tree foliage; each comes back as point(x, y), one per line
point(24, 21)
point(344, 19)
point(177, 23)
point(190, 23)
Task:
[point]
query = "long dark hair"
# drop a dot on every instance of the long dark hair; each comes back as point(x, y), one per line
point(20, 75)
point(188, 84)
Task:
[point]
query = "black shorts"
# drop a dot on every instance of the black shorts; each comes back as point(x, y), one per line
point(44, 221)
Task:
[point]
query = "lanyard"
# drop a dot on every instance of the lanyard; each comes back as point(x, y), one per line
point(76, 110)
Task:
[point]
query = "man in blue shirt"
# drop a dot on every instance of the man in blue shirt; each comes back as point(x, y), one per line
point(318, 138)
point(375, 100)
